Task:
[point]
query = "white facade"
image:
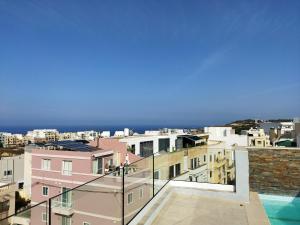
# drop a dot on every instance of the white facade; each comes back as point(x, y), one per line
point(12, 169)
point(226, 135)
point(119, 133)
point(27, 170)
point(138, 139)
point(105, 134)
point(287, 127)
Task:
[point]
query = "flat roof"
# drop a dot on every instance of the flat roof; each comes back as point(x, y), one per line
point(78, 145)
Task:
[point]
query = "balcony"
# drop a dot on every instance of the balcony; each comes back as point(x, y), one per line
point(62, 208)
point(156, 190)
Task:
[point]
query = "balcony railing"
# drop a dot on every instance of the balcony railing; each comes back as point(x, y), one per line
point(117, 197)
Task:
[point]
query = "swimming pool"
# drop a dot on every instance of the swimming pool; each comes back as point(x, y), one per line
point(281, 210)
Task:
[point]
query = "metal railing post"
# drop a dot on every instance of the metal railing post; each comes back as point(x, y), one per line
point(153, 174)
point(123, 196)
point(49, 212)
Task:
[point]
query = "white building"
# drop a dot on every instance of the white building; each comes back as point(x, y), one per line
point(12, 169)
point(258, 138)
point(105, 134)
point(227, 135)
point(287, 127)
point(42, 134)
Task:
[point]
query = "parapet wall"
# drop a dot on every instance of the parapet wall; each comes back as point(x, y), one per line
point(275, 170)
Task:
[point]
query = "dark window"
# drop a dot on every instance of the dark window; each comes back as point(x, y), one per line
point(164, 144)
point(177, 169)
point(146, 148)
point(171, 172)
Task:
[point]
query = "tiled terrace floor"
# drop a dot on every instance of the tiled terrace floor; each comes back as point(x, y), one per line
point(183, 209)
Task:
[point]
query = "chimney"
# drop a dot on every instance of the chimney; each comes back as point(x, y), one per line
point(98, 139)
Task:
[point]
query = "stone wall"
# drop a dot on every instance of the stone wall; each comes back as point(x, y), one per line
point(275, 170)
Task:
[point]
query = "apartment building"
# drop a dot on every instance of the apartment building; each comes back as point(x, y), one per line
point(11, 180)
point(42, 135)
point(90, 135)
point(12, 170)
point(11, 140)
point(148, 144)
point(258, 138)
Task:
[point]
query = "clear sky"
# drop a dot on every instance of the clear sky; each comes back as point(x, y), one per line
point(148, 62)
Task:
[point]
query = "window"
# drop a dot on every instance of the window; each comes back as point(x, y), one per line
point(65, 220)
point(210, 158)
point(66, 198)
point(141, 193)
point(67, 168)
point(97, 166)
point(45, 191)
point(86, 223)
point(146, 148)
point(156, 174)
point(210, 174)
point(44, 217)
point(7, 173)
point(129, 198)
point(46, 164)
point(204, 158)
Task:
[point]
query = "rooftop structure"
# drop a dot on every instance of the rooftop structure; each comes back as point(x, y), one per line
point(227, 135)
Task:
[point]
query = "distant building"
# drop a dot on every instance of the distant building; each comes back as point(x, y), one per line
point(146, 145)
point(11, 140)
point(42, 135)
point(287, 127)
point(226, 135)
point(105, 134)
point(258, 138)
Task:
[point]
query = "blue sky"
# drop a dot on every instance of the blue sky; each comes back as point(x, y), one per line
point(148, 62)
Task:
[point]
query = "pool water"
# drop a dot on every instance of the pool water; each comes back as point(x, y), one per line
point(281, 210)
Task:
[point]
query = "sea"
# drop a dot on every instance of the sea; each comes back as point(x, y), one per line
point(138, 128)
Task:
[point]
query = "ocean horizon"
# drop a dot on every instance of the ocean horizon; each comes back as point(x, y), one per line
point(137, 128)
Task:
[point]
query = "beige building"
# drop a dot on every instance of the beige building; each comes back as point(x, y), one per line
point(7, 199)
point(11, 140)
point(258, 138)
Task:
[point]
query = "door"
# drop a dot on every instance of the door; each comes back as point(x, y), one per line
point(177, 168)
point(66, 200)
point(171, 172)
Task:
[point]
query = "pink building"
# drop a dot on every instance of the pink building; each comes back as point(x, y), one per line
point(62, 166)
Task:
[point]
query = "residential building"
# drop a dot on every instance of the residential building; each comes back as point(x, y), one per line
point(287, 127)
point(105, 134)
point(7, 200)
point(11, 140)
point(258, 138)
point(147, 144)
point(11, 181)
point(42, 135)
point(226, 135)
point(12, 169)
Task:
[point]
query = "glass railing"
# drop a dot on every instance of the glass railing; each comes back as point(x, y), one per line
point(138, 186)
point(32, 215)
point(117, 197)
point(96, 202)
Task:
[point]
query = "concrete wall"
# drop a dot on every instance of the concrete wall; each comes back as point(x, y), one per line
point(275, 170)
point(13, 164)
